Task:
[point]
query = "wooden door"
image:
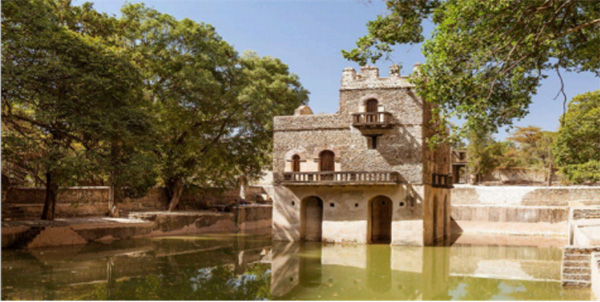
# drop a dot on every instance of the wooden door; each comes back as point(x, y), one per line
point(371, 108)
point(381, 220)
point(327, 163)
point(372, 105)
point(295, 163)
point(312, 219)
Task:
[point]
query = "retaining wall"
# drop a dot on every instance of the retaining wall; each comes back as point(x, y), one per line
point(520, 176)
point(27, 203)
point(595, 265)
point(73, 231)
point(519, 210)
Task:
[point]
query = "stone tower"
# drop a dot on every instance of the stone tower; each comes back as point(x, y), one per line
point(364, 174)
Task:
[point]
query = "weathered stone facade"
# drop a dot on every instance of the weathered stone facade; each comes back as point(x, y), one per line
point(376, 145)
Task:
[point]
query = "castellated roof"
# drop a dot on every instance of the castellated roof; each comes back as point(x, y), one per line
point(368, 78)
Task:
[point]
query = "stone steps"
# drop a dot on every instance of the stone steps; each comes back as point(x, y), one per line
point(576, 267)
point(576, 257)
point(577, 277)
point(572, 263)
point(576, 283)
point(576, 270)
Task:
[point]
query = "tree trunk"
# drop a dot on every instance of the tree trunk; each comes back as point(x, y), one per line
point(176, 191)
point(550, 174)
point(113, 211)
point(50, 200)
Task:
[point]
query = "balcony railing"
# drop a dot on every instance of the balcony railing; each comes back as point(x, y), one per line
point(441, 181)
point(372, 120)
point(344, 178)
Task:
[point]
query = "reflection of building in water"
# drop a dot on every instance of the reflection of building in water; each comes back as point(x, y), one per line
point(364, 174)
point(409, 273)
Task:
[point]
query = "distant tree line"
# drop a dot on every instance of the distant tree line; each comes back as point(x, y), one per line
point(133, 101)
point(574, 150)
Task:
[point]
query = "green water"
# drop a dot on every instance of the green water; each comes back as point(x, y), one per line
point(249, 267)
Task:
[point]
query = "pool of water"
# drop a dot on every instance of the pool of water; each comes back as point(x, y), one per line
point(252, 267)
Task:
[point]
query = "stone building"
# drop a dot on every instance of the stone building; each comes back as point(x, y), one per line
point(364, 174)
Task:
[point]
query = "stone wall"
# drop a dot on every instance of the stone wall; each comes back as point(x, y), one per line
point(27, 203)
point(346, 213)
point(519, 210)
point(526, 195)
point(73, 231)
point(420, 212)
point(399, 149)
point(576, 270)
point(595, 265)
point(520, 176)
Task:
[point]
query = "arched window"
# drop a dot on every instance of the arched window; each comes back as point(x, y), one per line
point(296, 163)
point(372, 105)
point(327, 161)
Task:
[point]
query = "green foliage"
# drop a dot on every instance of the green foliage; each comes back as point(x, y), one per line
point(577, 146)
point(534, 146)
point(214, 108)
point(67, 89)
point(485, 59)
point(88, 97)
point(484, 153)
point(583, 173)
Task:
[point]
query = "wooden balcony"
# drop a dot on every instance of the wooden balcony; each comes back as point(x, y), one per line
point(341, 178)
point(441, 181)
point(372, 120)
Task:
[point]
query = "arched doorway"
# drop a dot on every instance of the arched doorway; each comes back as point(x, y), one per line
point(380, 220)
point(372, 105)
point(326, 164)
point(296, 163)
point(311, 219)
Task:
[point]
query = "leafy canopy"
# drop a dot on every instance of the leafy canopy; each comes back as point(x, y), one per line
point(214, 108)
point(485, 59)
point(577, 145)
point(533, 146)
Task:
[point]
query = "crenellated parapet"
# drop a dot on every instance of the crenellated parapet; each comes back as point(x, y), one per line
point(368, 78)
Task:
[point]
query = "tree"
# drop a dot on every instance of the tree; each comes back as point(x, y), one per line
point(485, 59)
point(214, 108)
point(63, 88)
point(535, 148)
point(484, 154)
point(577, 145)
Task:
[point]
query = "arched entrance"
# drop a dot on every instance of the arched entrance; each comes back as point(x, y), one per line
point(311, 219)
point(372, 105)
point(380, 220)
point(326, 163)
point(296, 163)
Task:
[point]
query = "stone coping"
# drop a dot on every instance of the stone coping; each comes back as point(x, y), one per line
point(479, 205)
point(458, 186)
point(72, 222)
point(544, 229)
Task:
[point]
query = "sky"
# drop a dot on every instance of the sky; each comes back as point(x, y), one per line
point(309, 35)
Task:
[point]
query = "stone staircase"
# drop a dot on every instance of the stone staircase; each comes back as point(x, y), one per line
point(576, 269)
